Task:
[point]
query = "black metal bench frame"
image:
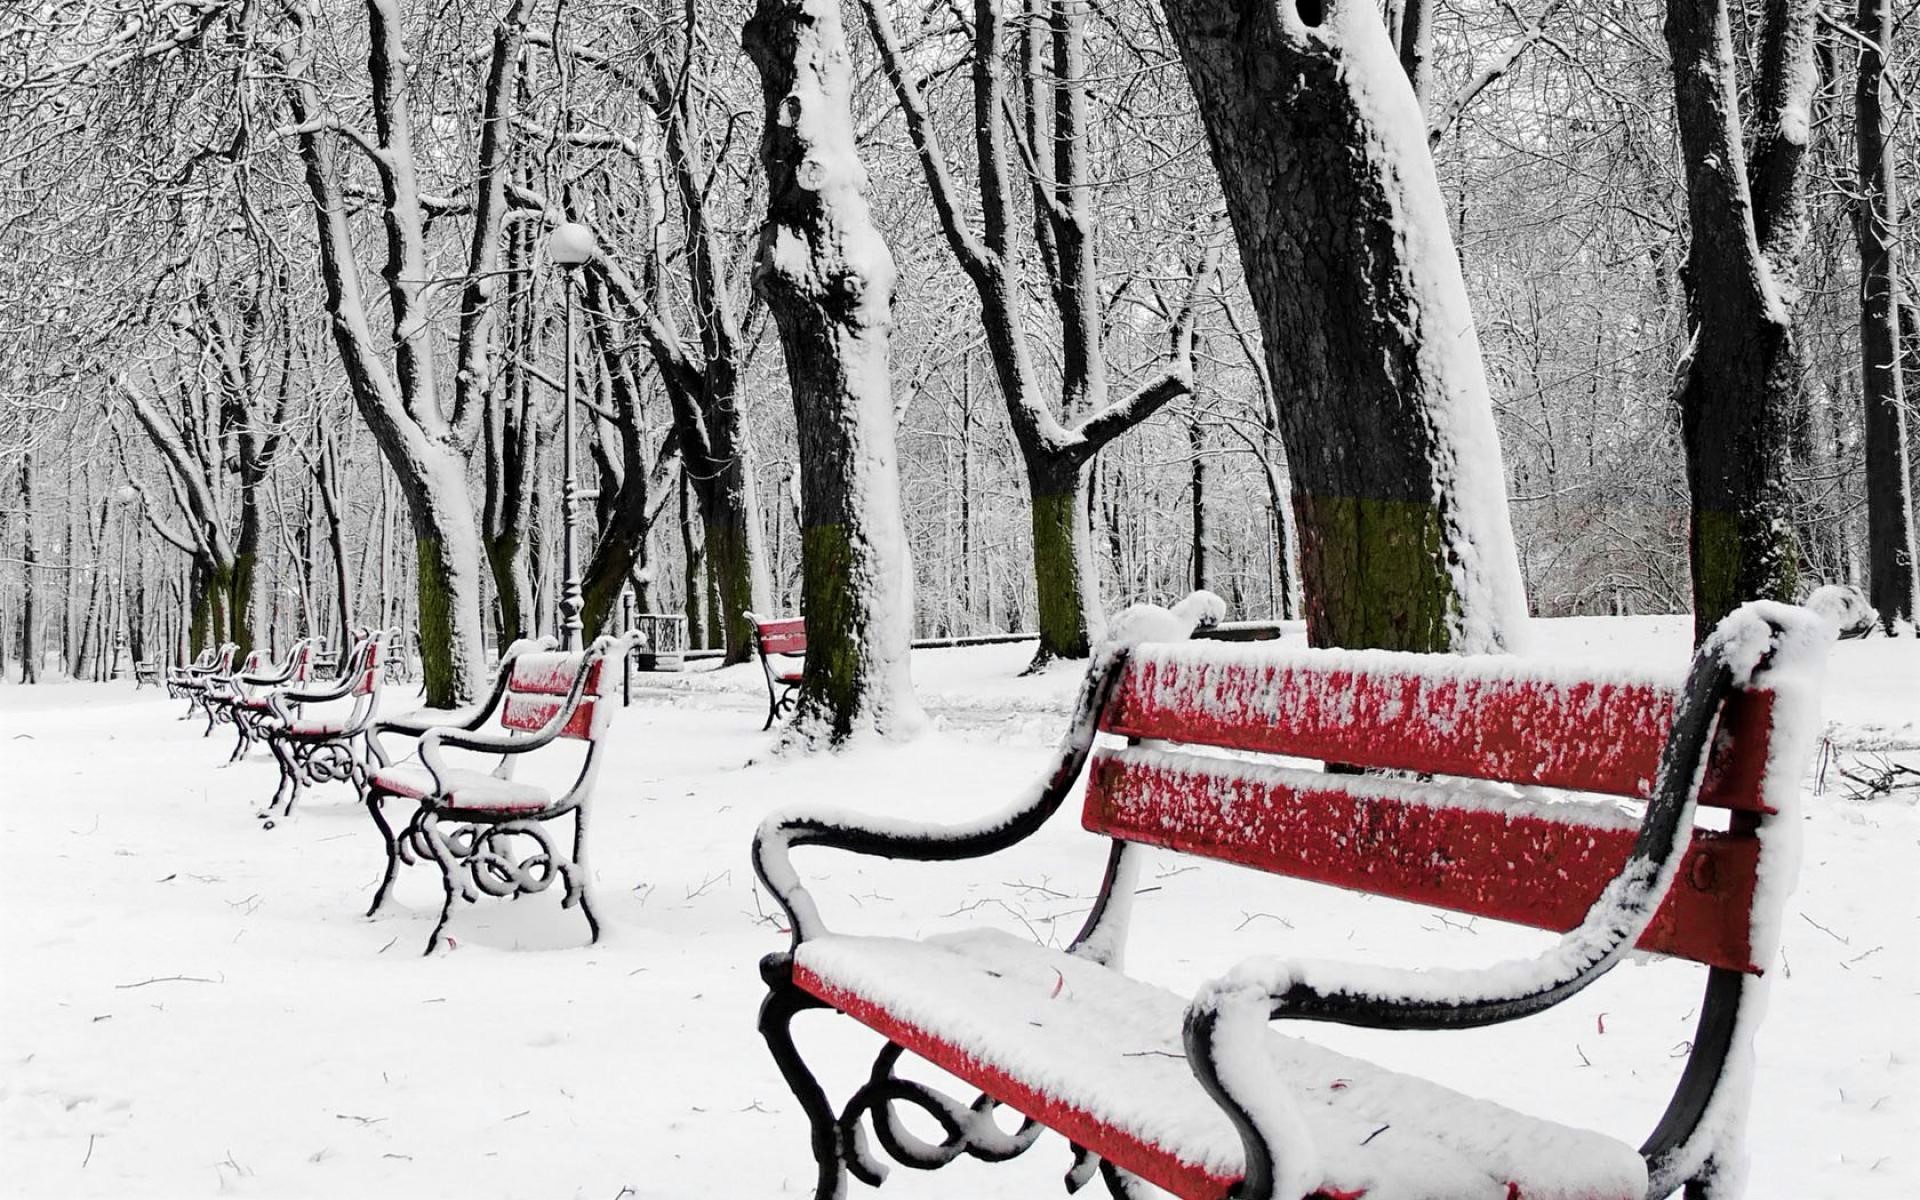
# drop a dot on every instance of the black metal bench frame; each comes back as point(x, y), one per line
point(310, 756)
point(473, 846)
point(1681, 1152)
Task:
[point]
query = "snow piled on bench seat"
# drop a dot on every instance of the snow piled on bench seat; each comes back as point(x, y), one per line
point(1110, 1048)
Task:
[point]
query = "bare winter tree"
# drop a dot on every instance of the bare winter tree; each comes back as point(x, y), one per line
point(1891, 582)
point(216, 420)
point(427, 445)
point(827, 277)
point(1057, 438)
point(1396, 472)
point(1738, 384)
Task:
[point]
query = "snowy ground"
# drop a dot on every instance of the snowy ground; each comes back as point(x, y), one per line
point(191, 1006)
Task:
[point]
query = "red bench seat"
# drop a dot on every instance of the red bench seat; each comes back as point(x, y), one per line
point(466, 789)
point(1097, 1056)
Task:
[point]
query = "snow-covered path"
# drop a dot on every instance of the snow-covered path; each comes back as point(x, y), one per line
point(194, 1007)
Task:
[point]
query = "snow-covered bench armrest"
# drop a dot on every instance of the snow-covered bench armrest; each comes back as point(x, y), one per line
point(421, 720)
point(1228, 1013)
point(885, 837)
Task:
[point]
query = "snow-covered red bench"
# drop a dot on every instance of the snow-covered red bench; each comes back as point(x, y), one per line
point(488, 826)
point(1201, 1095)
point(317, 734)
point(190, 682)
point(784, 640)
point(244, 700)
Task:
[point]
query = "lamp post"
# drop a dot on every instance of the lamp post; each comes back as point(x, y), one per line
point(126, 496)
point(570, 245)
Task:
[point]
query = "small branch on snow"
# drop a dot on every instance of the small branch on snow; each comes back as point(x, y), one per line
point(167, 979)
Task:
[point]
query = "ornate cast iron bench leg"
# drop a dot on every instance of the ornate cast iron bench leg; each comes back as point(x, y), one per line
point(376, 809)
point(783, 1002)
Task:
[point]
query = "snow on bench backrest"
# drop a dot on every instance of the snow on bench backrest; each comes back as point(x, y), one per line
point(1484, 717)
point(537, 690)
point(1462, 846)
point(368, 665)
point(788, 636)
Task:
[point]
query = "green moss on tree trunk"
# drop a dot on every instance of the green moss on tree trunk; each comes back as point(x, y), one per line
point(833, 668)
point(437, 626)
point(1375, 573)
point(1059, 530)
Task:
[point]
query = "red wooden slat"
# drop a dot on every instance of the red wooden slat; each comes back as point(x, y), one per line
point(788, 636)
point(552, 674)
point(1152, 1163)
point(1433, 714)
point(1353, 833)
point(532, 710)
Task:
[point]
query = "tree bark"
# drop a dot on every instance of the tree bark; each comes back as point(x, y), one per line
point(30, 660)
point(1056, 450)
point(426, 447)
point(827, 278)
point(1738, 383)
point(1398, 487)
point(1891, 583)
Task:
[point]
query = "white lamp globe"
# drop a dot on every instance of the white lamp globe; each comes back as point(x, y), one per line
point(571, 244)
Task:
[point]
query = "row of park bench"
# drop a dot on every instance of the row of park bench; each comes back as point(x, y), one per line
point(1414, 777)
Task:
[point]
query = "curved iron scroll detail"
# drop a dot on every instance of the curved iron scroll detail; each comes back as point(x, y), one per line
point(479, 858)
point(328, 762)
point(968, 1129)
point(488, 854)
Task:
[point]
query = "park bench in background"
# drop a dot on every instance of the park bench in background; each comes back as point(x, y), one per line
point(468, 821)
point(243, 701)
point(318, 734)
point(785, 640)
point(1199, 1095)
point(147, 674)
point(190, 683)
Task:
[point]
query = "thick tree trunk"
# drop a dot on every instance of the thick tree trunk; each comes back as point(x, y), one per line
point(1737, 386)
point(1890, 535)
point(1398, 487)
point(210, 600)
point(827, 278)
point(1066, 582)
point(693, 570)
point(29, 560)
point(327, 479)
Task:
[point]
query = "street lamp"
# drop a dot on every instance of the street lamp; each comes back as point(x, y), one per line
point(570, 245)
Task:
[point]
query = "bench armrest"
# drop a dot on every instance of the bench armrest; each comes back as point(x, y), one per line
point(421, 720)
point(1228, 1013)
point(862, 833)
point(869, 834)
point(284, 701)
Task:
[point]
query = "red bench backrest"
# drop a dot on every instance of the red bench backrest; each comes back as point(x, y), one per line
point(367, 665)
point(1536, 864)
point(787, 636)
point(302, 661)
point(537, 688)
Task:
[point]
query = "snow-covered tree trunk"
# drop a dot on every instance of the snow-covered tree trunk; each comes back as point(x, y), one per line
point(1739, 382)
point(827, 278)
point(1398, 486)
point(1056, 450)
point(1890, 536)
point(29, 560)
point(426, 447)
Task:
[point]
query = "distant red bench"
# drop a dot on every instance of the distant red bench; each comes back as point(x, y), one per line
point(486, 831)
point(1198, 1095)
point(786, 640)
point(244, 700)
point(318, 733)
